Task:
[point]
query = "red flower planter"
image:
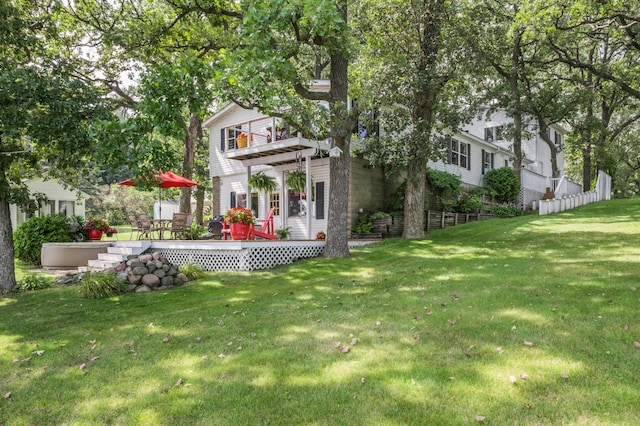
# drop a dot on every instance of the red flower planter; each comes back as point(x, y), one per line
point(239, 231)
point(95, 234)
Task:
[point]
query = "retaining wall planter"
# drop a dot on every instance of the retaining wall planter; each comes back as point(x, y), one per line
point(70, 255)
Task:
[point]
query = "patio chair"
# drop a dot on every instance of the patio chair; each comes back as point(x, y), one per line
point(135, 226)
point(179, 224)
point(266, 230)
point(148, 228)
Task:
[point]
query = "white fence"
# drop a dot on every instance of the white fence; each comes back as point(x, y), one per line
point(535, 185)
point(568, 202)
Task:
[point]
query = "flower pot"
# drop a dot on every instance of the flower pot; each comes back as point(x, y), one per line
point(242, 141)
point(239, 231)
point(95, 234)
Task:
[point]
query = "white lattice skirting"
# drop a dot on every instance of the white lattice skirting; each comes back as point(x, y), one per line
point(239, 255)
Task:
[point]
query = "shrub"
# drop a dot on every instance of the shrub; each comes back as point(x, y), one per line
point(446, 187)
point(505, 210)
point(193, 271)
point(30, 235)
point(469, 203)
point(33, 282)
point(503, 183)
point(364, 225)
point(195, 232)
point(100, 285)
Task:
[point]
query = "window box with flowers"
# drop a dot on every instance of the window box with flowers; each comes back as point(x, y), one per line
point(240, 220)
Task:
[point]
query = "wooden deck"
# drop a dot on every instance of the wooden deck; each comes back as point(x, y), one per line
point(217, 255)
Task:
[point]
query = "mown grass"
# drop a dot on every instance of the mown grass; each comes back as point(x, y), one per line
point(440, 327)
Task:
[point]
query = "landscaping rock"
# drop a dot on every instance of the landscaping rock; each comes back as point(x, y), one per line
point(140, 270)
point(150, 272)
point(151, 280)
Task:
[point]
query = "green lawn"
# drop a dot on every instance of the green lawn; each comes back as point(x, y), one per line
point(530, 320)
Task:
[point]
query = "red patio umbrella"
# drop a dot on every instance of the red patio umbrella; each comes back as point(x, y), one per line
point(164, 180)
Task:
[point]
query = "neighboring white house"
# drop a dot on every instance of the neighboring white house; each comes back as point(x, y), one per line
point(60, 200)
point(275, 148)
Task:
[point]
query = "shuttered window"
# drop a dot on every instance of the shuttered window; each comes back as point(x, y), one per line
point(319, 200)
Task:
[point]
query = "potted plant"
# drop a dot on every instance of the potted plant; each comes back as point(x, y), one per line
point(296, 180)
point(321, 235)
point(283, 233)
point(263, 182)
point(240, 220)
point(95, 226)
point(241, 140)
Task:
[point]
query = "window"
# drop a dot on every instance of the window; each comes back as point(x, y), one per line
point(254, 203)
point(558, 139)
point(66, 207)
point(232, 136)
point(459, 153)
point(492, 134)
point(237, 200)
point(319, 200)
point(368, 124)
point(274, 203)
point(488, 134)
point(297, 204)
point(487, 161)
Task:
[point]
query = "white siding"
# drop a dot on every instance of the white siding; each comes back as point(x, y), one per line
point(218, 165)
point(60, 198)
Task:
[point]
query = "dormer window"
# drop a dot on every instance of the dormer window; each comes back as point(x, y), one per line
point(493, 133)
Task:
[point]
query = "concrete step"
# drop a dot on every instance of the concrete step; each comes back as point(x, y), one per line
point(118, 252)
point(101, 264)
point(115, 257)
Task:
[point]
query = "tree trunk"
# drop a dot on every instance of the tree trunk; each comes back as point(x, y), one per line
point(414, 198)
point(191, 138)
point(544, 134)
point(514, 87)
point(7, 267)
point(342, 122)
point(423, 113)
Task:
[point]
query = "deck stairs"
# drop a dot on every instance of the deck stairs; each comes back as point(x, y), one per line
point(115, 254)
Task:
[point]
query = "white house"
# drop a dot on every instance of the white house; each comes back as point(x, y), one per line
point(60, 200)
point(244, 142)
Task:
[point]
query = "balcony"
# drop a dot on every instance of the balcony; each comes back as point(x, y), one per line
point(269, 141)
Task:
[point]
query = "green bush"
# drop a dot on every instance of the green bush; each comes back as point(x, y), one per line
point(505, 210)
point(195, 232)
point(30, 235)
point(503, 184)
point(33, 282)
point(469, 203)
point(364, 225)
point(193, 271)
point(100, 285)
point(446, 187)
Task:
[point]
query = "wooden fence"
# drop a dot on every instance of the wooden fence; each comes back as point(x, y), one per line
point(393, 226)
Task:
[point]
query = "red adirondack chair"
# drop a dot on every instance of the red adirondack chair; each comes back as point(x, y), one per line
point(267, 229)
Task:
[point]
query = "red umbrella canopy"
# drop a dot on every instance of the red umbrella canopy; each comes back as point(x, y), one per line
point(165, 180)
